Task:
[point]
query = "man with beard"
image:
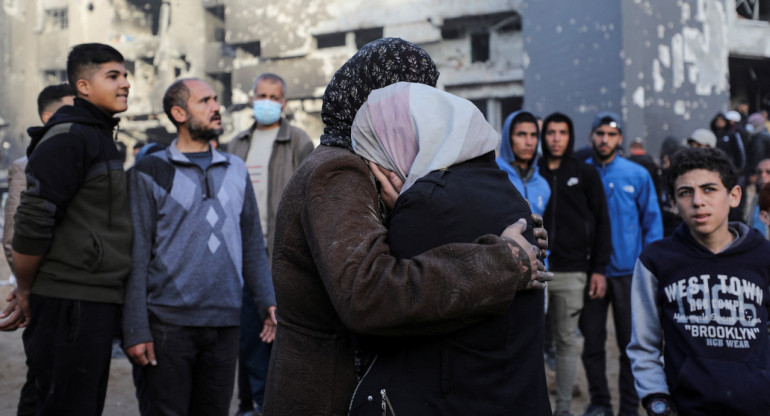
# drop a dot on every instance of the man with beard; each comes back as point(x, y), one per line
point(197, 239)
point(577, 214)
point(635, 222)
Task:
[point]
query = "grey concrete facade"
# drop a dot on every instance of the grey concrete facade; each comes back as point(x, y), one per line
point(662, 65)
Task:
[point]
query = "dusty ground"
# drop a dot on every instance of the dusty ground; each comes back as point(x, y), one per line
point(120, 394)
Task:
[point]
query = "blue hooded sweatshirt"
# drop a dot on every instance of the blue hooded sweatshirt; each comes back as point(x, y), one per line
point(533, 187)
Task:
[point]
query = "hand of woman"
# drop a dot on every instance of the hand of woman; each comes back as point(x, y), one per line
point(527, 255)
point(541, 235)
point(390, 184)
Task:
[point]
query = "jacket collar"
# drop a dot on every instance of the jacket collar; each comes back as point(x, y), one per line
point(176, 156)
point(283, 131)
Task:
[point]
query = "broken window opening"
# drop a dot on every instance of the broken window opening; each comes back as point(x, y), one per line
point(364, 36)
point(215, 24)
point(458, 27)
point(251, 49)
point(57, 19)
point(54, 76)
point(450, 33)
point(222, 84)
point(130, 66)
point(330, 40)
point(753, 9)
point(151, 11)
point(217, 11)
point(510, 104)
point(480, 47)
point(481, 104)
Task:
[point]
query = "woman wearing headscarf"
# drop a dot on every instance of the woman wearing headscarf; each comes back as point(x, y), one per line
point(443, 149)
point(333, 271)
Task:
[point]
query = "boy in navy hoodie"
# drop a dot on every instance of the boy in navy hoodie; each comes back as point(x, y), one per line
point(700, 301)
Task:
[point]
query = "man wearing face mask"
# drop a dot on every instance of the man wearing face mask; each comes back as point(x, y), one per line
point(272, 149)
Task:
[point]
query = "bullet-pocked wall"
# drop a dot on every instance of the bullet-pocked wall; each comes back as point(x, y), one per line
point(661, 65)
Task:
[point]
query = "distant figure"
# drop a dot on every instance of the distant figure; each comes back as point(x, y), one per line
point(760, 143)
point(637, 154)
point(50, 99)
point(729, 140)
point(751, 196)
point(764, 207)
point(137, 147)
point(272, 149)
point(671, 218)
point(701, 138)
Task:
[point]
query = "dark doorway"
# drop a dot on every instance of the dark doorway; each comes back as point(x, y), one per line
point(749, 82)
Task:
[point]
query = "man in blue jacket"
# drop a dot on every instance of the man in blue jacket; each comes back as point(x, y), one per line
point(635, 221)
point(518, 158)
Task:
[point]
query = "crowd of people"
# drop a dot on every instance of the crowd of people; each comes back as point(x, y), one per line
point(417, 262)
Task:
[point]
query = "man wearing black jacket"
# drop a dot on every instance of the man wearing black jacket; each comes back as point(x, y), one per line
point(578, 225)
point(72, 238)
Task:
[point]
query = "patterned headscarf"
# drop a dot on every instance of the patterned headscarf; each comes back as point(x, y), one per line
point(378, 64)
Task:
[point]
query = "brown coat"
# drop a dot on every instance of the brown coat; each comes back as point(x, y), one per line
point(333, 272)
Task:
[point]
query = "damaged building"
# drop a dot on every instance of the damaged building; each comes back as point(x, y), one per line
point(477, 45)
point(570, 56)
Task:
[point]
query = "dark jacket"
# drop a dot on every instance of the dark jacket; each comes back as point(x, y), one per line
point(333, 273)
point(576, 213)
point(759, 149)
point(75, 210)
point(706, 313)
point(493, 367)
point(729, 141)
point(291, 147)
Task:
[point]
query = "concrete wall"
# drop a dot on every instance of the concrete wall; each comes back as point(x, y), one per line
point(676, 72)
point(574, 63)
point(661, 65)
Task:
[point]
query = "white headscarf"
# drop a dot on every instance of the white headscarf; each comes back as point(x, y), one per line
point(413, 129)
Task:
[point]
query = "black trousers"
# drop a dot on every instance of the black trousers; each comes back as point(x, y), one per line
point(195, 374)
point(254, 356)
point(593, 325)
point(69, 345)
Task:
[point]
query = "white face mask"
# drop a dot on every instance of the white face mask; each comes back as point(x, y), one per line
point(267, 111)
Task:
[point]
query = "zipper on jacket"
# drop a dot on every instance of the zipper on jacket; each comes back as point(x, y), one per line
point(355, 392)
point(207, 190)
point(386, 403)
point(553, 200)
